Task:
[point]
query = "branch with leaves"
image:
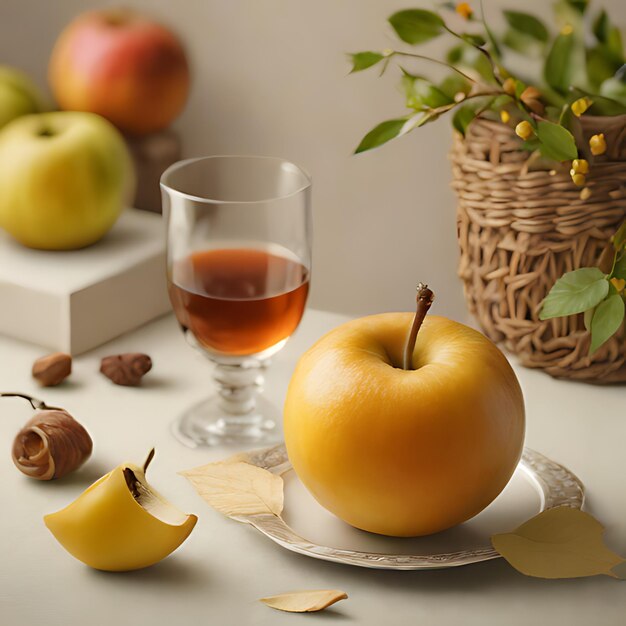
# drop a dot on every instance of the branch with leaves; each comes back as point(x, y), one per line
point(583, 73)
point(599, 295)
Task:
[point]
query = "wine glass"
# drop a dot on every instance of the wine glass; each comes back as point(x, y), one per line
point(238, 269)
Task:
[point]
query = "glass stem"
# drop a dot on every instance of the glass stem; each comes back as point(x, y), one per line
point(238, 386)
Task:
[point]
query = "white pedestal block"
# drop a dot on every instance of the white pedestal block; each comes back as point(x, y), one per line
point(74, 301)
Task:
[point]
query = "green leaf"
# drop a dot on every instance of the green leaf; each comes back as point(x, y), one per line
point(619, 271)
point(557, 70)
point(501, 101)
point(599, 65)
point(363, 60)
point(527, 24)
point(531, 145)
point(422, 94)
point(468, 57)
point(381, 134)
point(606, 106)
point(462, 118)
point(563, 542)
point(519, 88)
point(423, 119)
point(587, 317)
point(455, 54)
point(601, 105)
point(608, 35)
point(474, 40)
point(601, 26)
point(453, 84)
point(557, 142)
point(566, 14)
point(557, 115)
point(606, 321)
point(521, 43)
point(579, 5)
point(416, 25)
point(619, 239)
point(575, 292)
point(614, 44)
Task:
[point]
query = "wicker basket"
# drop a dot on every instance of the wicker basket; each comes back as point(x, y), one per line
point(520, 229)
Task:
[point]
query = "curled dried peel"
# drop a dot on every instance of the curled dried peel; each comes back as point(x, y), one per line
point(51, 445)
point(305, 601)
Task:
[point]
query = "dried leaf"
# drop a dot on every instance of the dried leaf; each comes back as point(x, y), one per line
point(619, 571)
point(305, 601)
point(559, 543)
point(273, 459)
point(236, 488)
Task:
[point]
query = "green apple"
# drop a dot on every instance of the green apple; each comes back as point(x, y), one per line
point(64, 179)
point(18, 95)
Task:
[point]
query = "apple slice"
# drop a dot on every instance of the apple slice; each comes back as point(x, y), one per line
point(120, 522)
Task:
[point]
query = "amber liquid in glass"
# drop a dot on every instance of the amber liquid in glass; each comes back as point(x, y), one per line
point(238, 301)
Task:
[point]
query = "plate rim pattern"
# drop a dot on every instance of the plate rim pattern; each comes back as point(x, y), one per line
point(555, 484)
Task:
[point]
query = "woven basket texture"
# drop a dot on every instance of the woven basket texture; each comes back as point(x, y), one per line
point(521, 226)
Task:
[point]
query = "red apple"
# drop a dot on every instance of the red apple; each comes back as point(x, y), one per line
point(123, 66)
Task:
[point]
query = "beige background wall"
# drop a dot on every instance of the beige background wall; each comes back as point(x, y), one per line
point(270, 78)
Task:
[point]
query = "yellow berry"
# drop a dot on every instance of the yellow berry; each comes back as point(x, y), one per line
point(618, 283)
point(568, 29)
point(464, 10)
point(508, 86)
point(585, 193)
point(597, 144)
point(524, 130)
point(579, 179)
point(505, 117)
point(580, 166)
point(580, 106)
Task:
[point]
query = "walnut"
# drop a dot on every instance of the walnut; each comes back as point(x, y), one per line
point(52, 369)
point(51, 445)
point(126, 369)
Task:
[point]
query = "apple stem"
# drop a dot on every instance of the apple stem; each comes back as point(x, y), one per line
point(148, 460)
point(34, 402)
point(424, 299)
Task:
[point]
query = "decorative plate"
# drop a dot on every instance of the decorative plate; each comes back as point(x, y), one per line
point(305, 527)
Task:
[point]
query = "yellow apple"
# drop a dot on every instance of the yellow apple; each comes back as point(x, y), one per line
point(18, 95)
point(120, 523)
point(64, 179)
point(404, 452)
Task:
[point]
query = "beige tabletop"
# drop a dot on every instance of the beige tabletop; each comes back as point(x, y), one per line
point(220, 572)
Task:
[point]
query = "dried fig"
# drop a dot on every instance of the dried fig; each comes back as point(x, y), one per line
point(126, 369)
point(52, 369)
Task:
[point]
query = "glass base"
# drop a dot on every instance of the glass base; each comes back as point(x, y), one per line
point(208, 424)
